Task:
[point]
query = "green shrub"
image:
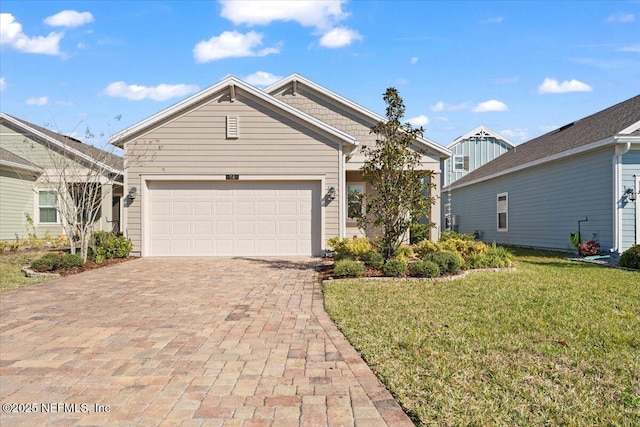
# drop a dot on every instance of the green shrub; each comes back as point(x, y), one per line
point(356, 245)
point(464, 248)
point(499, 257)
point(108, 245)
point(404, 253)
point(424, 269)
point(348, 268)
point(418, 232)
point(394, 268)
point(631, 257)
point(448, 262)
point(339, 256)
point(448, 235)
point(372, 259)
point(55, 261)
point(424, 248)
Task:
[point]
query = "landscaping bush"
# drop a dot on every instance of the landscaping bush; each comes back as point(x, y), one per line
point(448, 235)
point(631, 257)
point(348, 268)
point(356, 245)
point(418, 232)
point(404, 253)
point(464, 248)
point(372, 259)
point(424, 269)
point(425, 248)
point(108, 245)
point(499, 257)
point(56, 261)
point(339, 256)
point(394, 268)
point(448, 262)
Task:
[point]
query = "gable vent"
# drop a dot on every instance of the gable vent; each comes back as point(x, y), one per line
point(233, 127)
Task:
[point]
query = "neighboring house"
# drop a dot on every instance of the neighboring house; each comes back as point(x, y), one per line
point(238, 171)
point(535, 194)
point(30, 158)
point(468, 153)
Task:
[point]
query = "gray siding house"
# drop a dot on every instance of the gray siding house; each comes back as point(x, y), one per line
point(535, 194)
point(30, 158)
point(468, 153)
point(238, 171)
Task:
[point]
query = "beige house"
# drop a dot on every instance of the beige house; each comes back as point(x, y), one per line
point(238, 171)
point(30, 189)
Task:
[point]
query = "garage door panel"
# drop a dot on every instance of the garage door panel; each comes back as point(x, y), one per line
point(262, 218)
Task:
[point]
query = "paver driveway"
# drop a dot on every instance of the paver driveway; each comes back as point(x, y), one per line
point(184, 341)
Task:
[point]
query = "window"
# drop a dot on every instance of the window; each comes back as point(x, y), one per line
point(355, 205)
point(503, 212)
point(460, 163)
point(447, 217)
point(47, 207)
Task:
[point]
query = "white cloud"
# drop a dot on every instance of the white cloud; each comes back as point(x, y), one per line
point(553, 86)
point(11, 35)
point(231, 44)
point(621, 17)
point(493, 20)
point(69, 18)
point(319, 14)
point(489, 106)
point(421, 120)
point(43, 100)
point(261, 78)
point(339, 37)
point(157, 93)
point(441, 106)
point(632, 48)
point(414, 59)
point(520, 134)
point(3, 84)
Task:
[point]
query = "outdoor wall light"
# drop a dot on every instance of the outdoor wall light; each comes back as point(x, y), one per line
point(132, 193)
point(630, 194)
point(332, 194)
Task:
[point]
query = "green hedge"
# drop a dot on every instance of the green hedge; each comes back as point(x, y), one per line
point(348, 268)
point(57, 261)
point(107, 245)
point(631, 257)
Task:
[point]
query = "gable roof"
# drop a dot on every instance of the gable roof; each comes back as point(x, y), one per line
point(125, 135)
point(602, 128)
point(426, 143)
point(109, 161)
point(7, 158)
point(482, 131)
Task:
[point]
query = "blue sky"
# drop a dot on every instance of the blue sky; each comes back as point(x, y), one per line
point(520, 68)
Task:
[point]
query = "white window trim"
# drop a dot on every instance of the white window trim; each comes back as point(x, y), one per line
point(455, 157)
point(506, 212)
point(36, 209)
point(364, 190)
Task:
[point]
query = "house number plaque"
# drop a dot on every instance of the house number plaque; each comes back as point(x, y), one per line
point(232, 177)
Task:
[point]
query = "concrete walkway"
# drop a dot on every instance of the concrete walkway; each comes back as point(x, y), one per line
point(189, 342)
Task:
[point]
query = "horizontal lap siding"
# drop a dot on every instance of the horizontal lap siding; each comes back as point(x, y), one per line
point(630, 167)
point(196, 144)
point(545, 203)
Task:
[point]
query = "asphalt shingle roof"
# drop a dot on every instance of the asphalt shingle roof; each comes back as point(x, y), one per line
point(596, 127)
point(8, 156)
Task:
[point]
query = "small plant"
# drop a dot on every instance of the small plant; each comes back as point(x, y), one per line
point(357, 245)
point(57, 261)
point(424, 248)
point(589, 247)
point(372, 259)
point(394, 268)
point(108, 245)
point(448, 235)
point(404, 253)
point(339, 256)
point(418, 232)
point(448, 262)
point(424, 269)
point(631, 257)
point(348, 268)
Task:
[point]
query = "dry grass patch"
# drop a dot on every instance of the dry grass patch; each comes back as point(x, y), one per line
point(11, 275)
point(553, 343)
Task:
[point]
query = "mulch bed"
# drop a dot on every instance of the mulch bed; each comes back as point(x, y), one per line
point(89, 265)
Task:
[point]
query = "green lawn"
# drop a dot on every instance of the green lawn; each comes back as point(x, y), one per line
point(553, 343)
point(11, 276)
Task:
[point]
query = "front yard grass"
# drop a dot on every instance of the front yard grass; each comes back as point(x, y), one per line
point(11, 276)
point(553, 343)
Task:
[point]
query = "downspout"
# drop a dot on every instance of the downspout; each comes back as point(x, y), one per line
point(620, 150)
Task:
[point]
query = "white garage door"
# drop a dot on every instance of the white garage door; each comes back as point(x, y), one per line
point(241, 218)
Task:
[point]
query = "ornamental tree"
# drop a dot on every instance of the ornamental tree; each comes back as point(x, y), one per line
point(399, 187)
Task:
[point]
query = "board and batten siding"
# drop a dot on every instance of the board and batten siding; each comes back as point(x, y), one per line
point(630, 175)
point(545, 203)
point(478, 150)
point(194, 143)
point(16, 199)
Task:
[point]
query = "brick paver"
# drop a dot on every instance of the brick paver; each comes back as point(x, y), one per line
point(184, 342)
